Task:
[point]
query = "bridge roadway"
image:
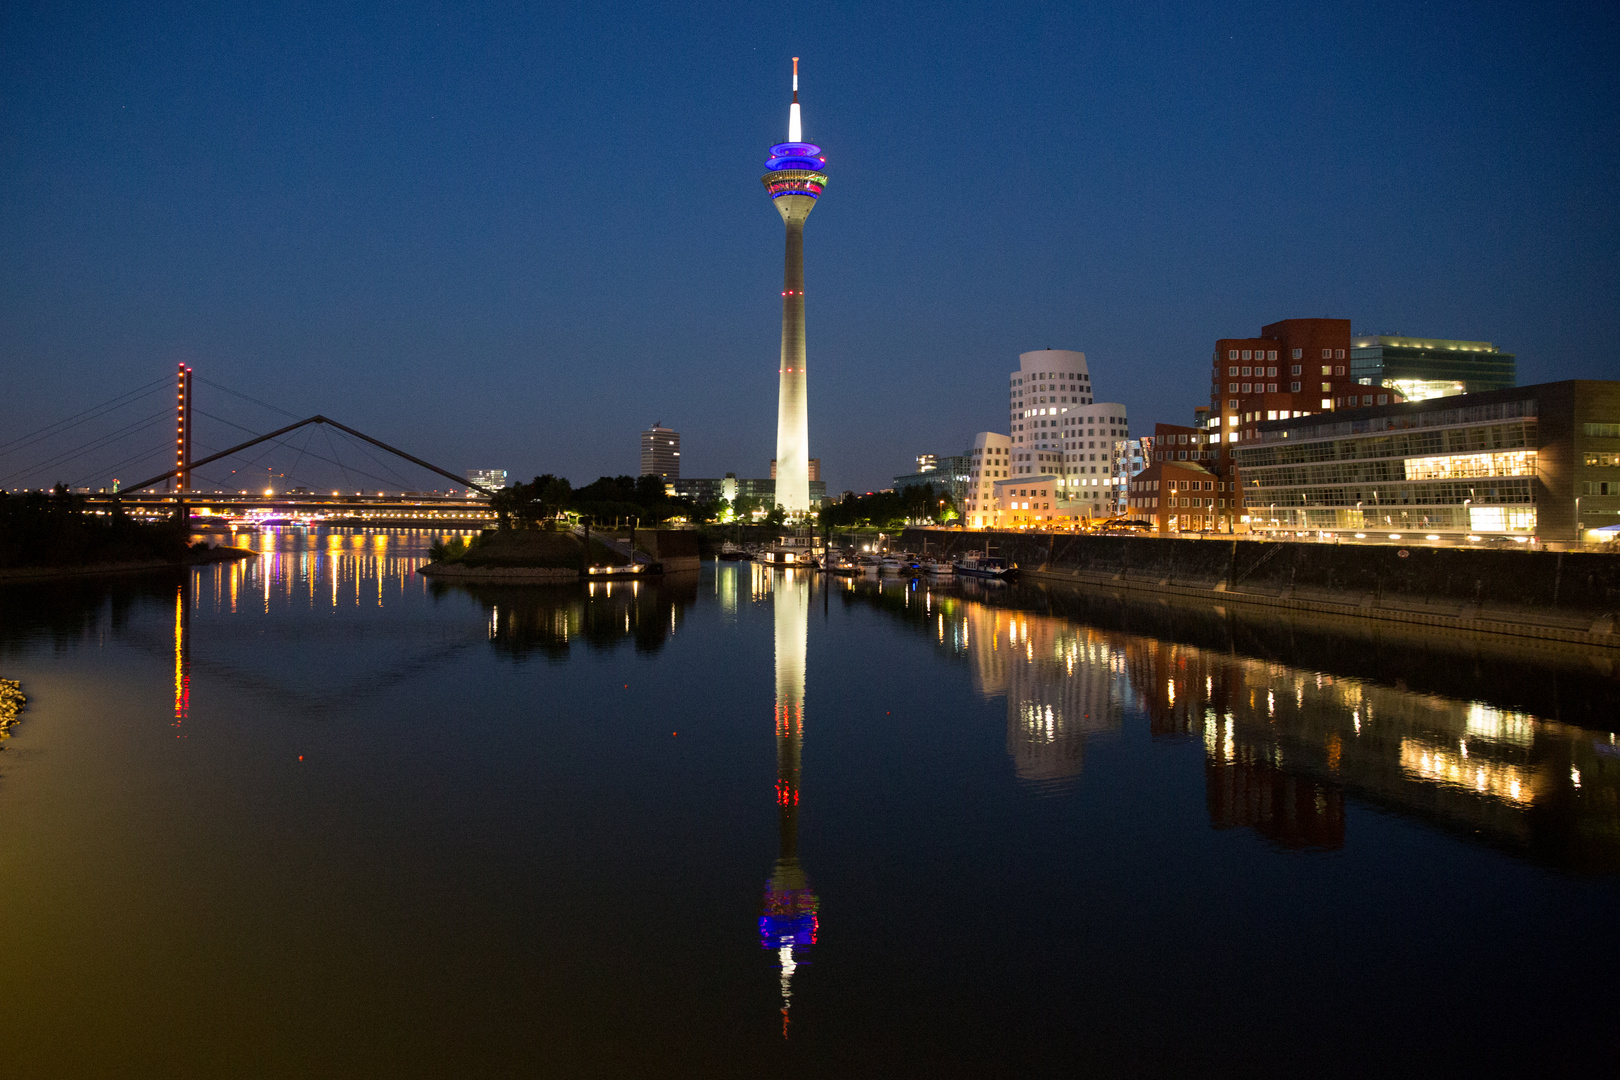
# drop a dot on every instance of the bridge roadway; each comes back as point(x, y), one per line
point(407, 508)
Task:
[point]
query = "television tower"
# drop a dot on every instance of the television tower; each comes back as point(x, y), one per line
point(795, 181)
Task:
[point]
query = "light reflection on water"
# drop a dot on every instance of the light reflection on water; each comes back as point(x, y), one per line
point(950, 757)
point(1283, 746)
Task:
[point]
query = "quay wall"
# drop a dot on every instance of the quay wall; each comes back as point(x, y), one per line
point(1572, 596)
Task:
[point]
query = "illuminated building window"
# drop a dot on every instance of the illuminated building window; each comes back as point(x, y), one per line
point(1425, 389)
point(1501, 519)
point(1463, 466)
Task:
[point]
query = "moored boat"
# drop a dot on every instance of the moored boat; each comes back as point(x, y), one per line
point(985, 566)
point(791, 551)
point(626, 570)
point(842, 564)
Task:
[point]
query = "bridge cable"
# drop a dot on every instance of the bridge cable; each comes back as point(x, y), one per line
point(244, 397)
point(74, 420)
point(403, 483)
point(348, 480)
point(280, 442)
point(85, 448)
point(293, 468)
point(115, 466)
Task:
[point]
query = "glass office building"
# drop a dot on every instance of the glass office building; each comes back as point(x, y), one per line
point(951, 474)
point(1535, 461)
point(728, 487)
point(491, 479)
point(1423, 368)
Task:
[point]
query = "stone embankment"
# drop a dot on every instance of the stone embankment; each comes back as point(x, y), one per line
point(1559, 596)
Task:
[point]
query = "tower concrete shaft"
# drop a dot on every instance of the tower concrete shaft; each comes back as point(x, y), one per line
point(795, 181)
point(793, 391)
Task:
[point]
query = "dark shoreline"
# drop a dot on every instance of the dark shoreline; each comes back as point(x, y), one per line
point(191, 558)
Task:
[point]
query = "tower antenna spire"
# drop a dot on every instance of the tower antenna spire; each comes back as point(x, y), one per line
point(795, 129)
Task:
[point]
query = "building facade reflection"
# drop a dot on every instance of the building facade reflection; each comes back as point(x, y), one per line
point(1063, 684)
point(1284, 747)
point(788, 922)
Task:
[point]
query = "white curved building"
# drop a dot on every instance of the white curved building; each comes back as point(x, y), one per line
point(1058, 429)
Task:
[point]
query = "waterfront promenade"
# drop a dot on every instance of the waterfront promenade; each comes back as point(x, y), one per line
point(1558, 596)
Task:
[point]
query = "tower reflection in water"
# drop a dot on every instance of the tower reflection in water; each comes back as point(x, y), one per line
point(787, 923)
point(182, 655)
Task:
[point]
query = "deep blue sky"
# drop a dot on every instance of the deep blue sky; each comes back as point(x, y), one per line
point(515, 237)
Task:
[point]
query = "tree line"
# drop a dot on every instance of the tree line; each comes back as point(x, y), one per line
point(912, 504)
point(56, 529)
point(619, 500)
point(612, 501)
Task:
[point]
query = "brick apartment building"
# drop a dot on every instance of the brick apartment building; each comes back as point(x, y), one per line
point(1296, 367)
point(1183, 489)
point(1180, 496)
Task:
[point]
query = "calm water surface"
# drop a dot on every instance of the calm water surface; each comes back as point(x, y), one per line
point(312, 816)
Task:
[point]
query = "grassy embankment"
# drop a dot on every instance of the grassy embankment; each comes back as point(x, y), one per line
point(523, 549)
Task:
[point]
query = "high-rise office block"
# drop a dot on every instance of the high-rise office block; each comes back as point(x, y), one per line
point(795, 180)
point(492, 479)
point(661, 452)
point(1422, 368)
point(1296, 367)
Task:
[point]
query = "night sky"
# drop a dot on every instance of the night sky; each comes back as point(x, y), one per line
point(503, 236)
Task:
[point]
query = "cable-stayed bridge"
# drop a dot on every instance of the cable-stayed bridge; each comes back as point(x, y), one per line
point(314, 467)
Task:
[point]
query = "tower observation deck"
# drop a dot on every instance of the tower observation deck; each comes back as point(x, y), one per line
point(795, 180)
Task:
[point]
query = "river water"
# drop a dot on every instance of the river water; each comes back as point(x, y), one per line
point(311, 815)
